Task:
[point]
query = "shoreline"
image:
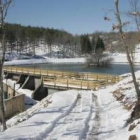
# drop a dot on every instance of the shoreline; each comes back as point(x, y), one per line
point(55, 61)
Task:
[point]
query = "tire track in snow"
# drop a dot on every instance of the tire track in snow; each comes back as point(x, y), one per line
point(95, 121)
point(61, 125)
point(75, 124)
point(44, 133)
point(46, 118)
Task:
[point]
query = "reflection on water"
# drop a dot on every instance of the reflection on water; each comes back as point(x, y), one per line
point(113, 69)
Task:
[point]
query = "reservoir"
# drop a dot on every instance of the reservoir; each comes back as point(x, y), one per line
point(113, 69)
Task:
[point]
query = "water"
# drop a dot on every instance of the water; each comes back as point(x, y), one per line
point(113, 69)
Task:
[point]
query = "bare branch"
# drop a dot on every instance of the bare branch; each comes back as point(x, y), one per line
point(135, 12)
point(6, 6)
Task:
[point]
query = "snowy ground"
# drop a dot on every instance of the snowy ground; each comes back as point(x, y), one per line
point(55, 57)
point(46, 60)
point(117, 58)
point(77, 115)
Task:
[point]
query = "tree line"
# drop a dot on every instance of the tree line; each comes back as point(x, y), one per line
point(26, 39)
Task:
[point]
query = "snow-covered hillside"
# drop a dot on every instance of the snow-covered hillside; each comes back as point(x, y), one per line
point(137, 54)
point(121, 57)
point(78, 115)
point(57, 56)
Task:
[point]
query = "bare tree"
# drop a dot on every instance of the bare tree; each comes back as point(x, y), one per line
point(119, 27)
point(134, 13)
point(4, 6)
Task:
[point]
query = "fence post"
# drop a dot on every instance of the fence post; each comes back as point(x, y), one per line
point(6, 88)
point(107, 79)
point(97, 76)
point(54, 82)
point(67, 83)
point(14, 91)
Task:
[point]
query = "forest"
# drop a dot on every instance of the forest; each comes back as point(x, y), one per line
point(25, 39)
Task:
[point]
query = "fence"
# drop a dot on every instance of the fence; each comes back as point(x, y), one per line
point(64, 74)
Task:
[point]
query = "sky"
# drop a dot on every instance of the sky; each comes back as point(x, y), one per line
point(74, 16)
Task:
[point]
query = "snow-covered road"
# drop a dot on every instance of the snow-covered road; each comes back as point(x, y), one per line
point(66, 118)
point(78, 115)
point(73, 126)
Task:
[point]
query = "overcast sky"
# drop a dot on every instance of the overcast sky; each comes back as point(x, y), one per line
point(74, 16)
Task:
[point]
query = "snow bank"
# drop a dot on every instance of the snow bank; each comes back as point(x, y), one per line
point(43, 121)
point(112, 115)
point(47, 60)
point(119, 58)
point(122, 58)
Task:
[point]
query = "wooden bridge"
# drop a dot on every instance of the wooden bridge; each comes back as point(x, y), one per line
point(67, 80)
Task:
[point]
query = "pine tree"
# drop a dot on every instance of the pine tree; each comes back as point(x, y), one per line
point(100, 47)
point(85, 44)
point(93, 44)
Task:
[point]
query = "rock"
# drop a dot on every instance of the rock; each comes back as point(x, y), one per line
point(136, 113)
point(132, 127)
point(133, 137)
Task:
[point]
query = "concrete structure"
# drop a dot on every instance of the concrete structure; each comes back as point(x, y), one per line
point(14, 105)
point(26, 82)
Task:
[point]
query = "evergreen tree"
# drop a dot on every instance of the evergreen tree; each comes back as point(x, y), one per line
point(85, 44)
point(93, 44)
point(100, 47)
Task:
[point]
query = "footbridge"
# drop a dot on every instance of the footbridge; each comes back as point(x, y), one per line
point(65, 80)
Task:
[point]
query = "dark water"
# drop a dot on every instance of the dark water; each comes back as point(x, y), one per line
point(113, 69)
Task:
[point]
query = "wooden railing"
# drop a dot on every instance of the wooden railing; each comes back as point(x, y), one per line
point(71, 83)
point(68, 79)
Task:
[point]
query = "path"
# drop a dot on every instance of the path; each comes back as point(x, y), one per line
point(73, 125)
point(67, 117)
point(74, 115)
point(95, 121)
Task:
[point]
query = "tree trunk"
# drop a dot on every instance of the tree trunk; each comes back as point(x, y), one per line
point(4, 5)
point(126, 48)
point(132, 72)
point(2, 109)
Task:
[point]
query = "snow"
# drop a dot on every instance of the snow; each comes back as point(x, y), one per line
point(122, 58)
point(46, 60)
point(73, 115)
point(76, 114)
point(11, 83)
point(33, 128)
point(17, 59)
point(117, 58)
